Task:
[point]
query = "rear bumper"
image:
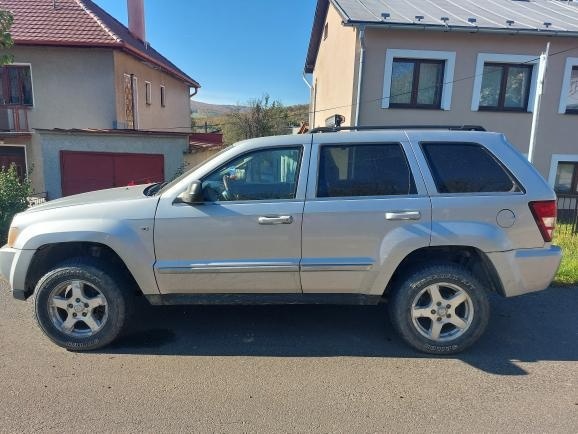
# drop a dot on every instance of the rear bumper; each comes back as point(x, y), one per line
point(13, 266)
point(524, 271)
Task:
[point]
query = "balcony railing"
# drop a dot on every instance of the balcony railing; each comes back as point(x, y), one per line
point(14, 119)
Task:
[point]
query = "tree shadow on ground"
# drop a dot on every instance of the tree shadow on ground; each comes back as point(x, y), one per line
point(535, 327)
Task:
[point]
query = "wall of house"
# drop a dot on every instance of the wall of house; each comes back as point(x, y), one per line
point(51, 143)
point(73, 87)
point(333, 78)
point(175, 116)
point(558, 133)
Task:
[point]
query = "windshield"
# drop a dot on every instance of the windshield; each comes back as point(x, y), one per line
point(167, 185)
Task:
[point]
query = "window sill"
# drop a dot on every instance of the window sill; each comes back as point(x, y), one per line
point(407, 107)
point(503, 110)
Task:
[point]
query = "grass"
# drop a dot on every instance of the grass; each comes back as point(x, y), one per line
point(568, 272)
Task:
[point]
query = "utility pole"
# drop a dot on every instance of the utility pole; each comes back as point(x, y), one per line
point(537, 101)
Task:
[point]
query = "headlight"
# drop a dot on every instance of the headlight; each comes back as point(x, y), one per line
point(12, 236)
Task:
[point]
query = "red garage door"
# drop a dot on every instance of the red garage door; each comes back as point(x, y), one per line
point(89, 171)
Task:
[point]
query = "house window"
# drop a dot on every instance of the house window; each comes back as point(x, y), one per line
point(505, 87)
point(16, 86)
point(569, 97)
point(418, 79)
point(505, 82)
point(325, 31)
point(567, 178)
point(416, 83)
point(148, 92)
point(163, 97)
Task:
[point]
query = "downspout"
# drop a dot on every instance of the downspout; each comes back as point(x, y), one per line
point(196, 91)
point(360, 72)
point(311, 96)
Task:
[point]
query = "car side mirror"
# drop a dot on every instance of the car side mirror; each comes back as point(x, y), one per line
point(192, 195)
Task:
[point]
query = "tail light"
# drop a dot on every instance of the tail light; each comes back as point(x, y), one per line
point(544, 213)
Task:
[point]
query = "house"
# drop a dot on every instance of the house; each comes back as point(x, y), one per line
point(391, 62)
point(88, 103)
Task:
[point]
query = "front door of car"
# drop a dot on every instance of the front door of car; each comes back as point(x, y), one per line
point(246, 236)
point(366, 209)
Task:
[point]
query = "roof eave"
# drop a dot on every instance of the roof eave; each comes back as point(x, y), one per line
point(461, 29)
point(181, 76)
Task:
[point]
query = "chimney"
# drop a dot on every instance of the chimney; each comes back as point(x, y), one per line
point(136, 19)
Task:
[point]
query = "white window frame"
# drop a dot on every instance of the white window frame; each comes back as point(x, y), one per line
point(570, 63)
point(555, 161)
point(450, 65)
point(31, 79)
point(8, 145)
point(484, 58)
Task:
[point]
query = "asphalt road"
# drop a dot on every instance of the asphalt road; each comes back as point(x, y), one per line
point(294, 369)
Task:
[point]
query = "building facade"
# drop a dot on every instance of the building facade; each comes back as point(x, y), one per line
point(81, 77)
point(418, 63)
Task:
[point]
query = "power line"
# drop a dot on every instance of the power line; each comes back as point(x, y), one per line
point(307, 112)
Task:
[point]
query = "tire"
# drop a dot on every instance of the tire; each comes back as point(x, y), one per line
point(84, 295)
point(421, 315)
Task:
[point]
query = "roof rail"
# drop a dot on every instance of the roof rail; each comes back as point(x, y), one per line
point(400, 127)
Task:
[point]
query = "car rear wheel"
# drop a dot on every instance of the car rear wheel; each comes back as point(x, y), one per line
point(80, 306)
point(440, 309)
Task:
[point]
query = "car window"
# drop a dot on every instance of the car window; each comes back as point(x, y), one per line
point(266, 174)
point(364, 170)
point(467, 168)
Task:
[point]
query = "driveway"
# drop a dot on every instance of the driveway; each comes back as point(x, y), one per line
point(294, 368)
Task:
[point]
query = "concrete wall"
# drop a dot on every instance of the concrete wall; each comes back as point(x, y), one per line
point(333, 78)
point(558, 133)
point(73, 87)
point(197, 157)
point(51, 143)
point(175, 116)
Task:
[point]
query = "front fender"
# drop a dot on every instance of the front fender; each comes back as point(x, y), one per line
point(132, 240)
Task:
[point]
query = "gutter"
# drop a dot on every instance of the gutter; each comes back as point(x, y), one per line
point(360, 72)
point(460, 29)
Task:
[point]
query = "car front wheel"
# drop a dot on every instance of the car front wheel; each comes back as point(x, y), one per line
point(80, 306)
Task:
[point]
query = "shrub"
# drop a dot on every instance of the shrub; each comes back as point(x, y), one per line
point(13, 198)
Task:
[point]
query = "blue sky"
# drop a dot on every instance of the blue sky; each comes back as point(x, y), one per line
point(237, 50)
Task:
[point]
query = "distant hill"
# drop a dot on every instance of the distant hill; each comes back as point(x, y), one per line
point(205, 110)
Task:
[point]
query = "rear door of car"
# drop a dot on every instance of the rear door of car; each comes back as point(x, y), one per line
point(366, 209)
point(477, 198)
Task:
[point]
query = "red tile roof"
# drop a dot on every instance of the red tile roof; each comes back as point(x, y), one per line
point(80, 23)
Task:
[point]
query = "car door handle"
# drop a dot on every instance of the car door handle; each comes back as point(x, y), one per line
point(276, 220)
point(403, 215)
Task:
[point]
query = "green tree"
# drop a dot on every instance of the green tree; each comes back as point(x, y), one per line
point(14, 195)
point(261, 118)
point(6, 42)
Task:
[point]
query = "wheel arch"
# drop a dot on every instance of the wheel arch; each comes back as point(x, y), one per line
point(49, 256)
point(472, 259)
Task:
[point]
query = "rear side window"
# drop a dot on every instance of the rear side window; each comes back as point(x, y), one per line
point(467, 168)
point(364, 170)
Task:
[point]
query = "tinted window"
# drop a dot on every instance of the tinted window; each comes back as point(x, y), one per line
point(364, 170)
point(467, 168)
point(266, 174)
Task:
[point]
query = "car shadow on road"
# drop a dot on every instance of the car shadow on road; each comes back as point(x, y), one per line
point(535, 327)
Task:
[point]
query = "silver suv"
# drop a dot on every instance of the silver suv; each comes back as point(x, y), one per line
point(429, 220)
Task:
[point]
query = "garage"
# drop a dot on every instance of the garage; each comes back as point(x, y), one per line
point(82, 172)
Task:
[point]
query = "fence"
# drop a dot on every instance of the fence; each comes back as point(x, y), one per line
point(568, 213)
point(37, 199)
